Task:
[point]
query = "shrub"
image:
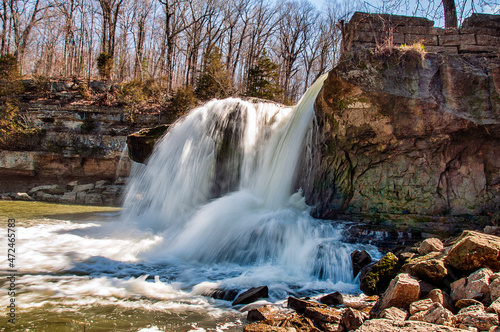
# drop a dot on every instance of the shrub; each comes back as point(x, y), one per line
point(88, 125)
point(184, 99)
point(84, 91)
point(105, 65)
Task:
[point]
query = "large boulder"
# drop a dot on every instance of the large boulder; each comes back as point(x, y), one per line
point(402, 291)
point(375, 278)
point(474, 250)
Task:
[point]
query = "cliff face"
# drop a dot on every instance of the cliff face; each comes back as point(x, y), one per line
point(409, 136)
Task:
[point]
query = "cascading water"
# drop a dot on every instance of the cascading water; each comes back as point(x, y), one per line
point(219, 189)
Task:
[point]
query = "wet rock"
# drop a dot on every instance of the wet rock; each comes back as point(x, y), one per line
point(464, 303)
point(375, 278)
point(430, 245)
point(474, 250)
point(222, 294)
point(252, 295)
point(386, 325)
point(332, 299)
point(141, 144)
point(300, 305)
point(351, 320)
point(475, 316)
point(394, 314)
point(437, 295)
point(265, 312)
point(435, 314)
point(359, 260)
point(323, 315)
point(477, 287)
point(458, 289)
point(402, 291)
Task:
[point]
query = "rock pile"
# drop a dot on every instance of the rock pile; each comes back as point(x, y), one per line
point(97, 193)
point(436, 288)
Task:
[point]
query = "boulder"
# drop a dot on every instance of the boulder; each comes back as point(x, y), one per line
point(458, 289)
point(494, 307)
point(432, 270)
point(430, 245)
point(22, 197)
point(265, 312)
point(300, 305)
point(435, 314)
point(494, 288)
point(474, 250)
point(387, 325)
point(83, 187)
point(323, 314)
point(52, 189)
point(437, 295)
point(464, 303)
point(351, 320)
point(421, 305)
point(394, 314)
point(68, 197)
point(93, 199)
point(359, 260)
point(402, 291)
point(375, 278)
point(475, 316)
point(332, 299)
point(252, 295)
point(477, 287)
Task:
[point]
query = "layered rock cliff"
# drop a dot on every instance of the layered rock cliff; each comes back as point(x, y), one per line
point(409, 136)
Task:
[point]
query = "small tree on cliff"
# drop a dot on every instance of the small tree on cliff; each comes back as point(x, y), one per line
point(214, 80)
point(263, 80)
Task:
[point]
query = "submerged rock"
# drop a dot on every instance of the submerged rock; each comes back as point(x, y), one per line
point(252, 295)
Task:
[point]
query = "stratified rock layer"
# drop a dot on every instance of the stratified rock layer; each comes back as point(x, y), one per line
point(409, 137)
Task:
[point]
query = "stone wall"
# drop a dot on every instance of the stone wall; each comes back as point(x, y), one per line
point(479, 33)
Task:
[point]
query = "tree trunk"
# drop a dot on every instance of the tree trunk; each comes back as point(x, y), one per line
point(450, 14)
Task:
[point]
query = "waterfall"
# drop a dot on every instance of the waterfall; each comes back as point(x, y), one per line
point(219, 188)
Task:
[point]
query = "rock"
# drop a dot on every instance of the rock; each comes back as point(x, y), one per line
point(493, 230)
point(265, 312)
point(260, 327)
point(494, 329)
point(101, 183)
point(375, 278)
point(359, 260)
point(44, 197)
point(300, 305)
point(458, 289)
point(221, 294)
point(332, 299)
point(474, 250)
point(402, 291)
point(68, 197)
point(435, 314)
point(323, 315)
point(386, 325)
point(475, 316)
point(141, 144)
point(477, 287)
point(394, 314)
point(98, 86)
point(464, 303)
point(351, 319)
point(93, 199)
point(421, 305)
point(494, 288)
point(437, 295)
point(425, 287)
point(80, 197)
point(432, 270)
point(430, 245)
point(49, 189)
point(22, 197)
point(252, 295)
point(494, 307)
point(83, 187)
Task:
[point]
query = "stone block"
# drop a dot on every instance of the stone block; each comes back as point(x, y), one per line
point(424, 39)
point(457, 40)
point(363, 36)
point(441, 49)
point(478, 49)
point(485, 40)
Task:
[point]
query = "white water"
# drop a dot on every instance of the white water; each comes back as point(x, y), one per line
point(216, 207)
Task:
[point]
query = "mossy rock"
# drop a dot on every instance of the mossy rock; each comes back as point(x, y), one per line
point(375, 278)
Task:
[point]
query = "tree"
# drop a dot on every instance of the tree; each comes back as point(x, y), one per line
point(214, 80)
point(263, 80)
